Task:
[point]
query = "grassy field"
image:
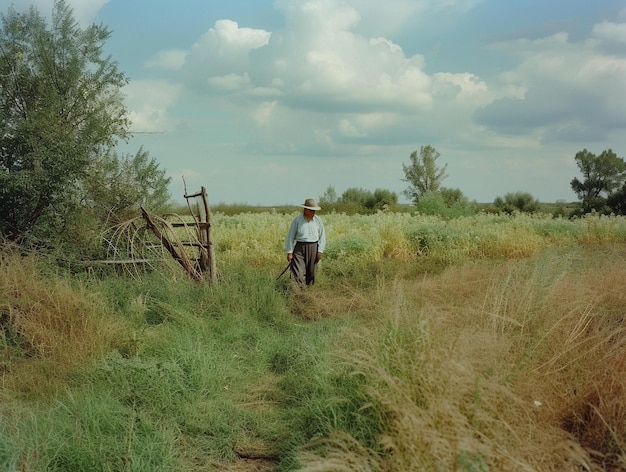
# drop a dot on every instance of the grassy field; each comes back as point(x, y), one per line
point(486, 343)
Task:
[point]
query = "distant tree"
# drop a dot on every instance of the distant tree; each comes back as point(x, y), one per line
point(523, 202)
point(447, 203)
point(379, 199)
point(116, 187)
point(617, 201)
point(61, 108)
point(356, 199)
point(329, 197)
point(358, 196)
point(423, 174)
point(453, 196)
point(384, 199)
point(602, 175)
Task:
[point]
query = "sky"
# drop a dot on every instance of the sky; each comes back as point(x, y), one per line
point(270, 102)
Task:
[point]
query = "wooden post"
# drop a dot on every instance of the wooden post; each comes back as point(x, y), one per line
point(205, 239)
point(206, 259)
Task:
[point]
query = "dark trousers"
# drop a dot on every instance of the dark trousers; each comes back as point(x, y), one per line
point(304, 262)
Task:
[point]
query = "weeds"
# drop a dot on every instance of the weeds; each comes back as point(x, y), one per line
point(496, 385)
point(473, 344)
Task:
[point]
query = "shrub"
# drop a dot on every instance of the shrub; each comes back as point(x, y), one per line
point(518, 201)
point(446, 203)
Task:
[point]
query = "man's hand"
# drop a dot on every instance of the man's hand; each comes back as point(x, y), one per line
point(319, 257)
point(289, 257)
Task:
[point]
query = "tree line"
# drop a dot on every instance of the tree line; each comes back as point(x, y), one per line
point(62, 114)
point(601, 190)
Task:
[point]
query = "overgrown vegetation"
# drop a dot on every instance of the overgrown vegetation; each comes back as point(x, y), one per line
point(61, 115)
point(517, 201)
point(359, 200)
point(487, 342)
point(438, 337)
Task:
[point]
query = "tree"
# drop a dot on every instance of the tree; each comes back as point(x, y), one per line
point(329, 197)
point(61, 109)
point(363, 198)
point(447, 203)
point(617, 201)
point(116, 187)
point(356, 199)
point(453, 196)
point(517, 201)
point(384, 199)
point(357, 196)
point(423, 174)
point(602, 175)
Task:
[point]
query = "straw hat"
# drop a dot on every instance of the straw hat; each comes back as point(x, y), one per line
point(310, 204)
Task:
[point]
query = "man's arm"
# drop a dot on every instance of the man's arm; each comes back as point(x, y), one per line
point(321, 243)
point(291, 236)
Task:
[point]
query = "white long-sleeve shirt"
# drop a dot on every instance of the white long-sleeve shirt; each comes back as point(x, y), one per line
point(305, 231)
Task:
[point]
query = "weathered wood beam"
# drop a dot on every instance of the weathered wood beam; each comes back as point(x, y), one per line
point(184, 262)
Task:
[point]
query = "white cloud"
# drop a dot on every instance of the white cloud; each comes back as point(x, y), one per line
point(348, 129)
point(321, 71)
point(229, 82)
point(169, 59)
point(383, 18)
point(611, 32)
point(264, 112)
point(570, 88)
point(148, 102)
point(321, 61)
point(464, 87)
point(323, 15)
point(387, 18)
point(221, 51)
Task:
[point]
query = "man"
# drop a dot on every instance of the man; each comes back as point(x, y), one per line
point(305, 243)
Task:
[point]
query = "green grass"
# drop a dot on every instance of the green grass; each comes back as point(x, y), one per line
point(471, 344)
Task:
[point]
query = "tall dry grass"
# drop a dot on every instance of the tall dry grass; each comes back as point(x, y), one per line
point(516, 366)
point(482, 343)
point(48, 325)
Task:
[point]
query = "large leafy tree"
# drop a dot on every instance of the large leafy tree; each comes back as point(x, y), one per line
point(602, 175)
point(423, 174)
point(61, 108)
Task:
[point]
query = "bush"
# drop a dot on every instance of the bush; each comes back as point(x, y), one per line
point(447, 203)
point(518, 201)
